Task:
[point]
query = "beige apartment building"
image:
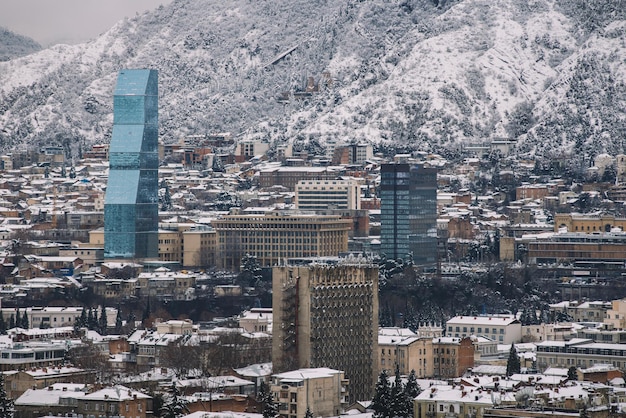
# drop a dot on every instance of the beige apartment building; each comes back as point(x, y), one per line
point(190, 246)
point(452, 356)
point(322, 390)
point(277, 236)
point(326, 315)
point(200, 245)
point(616, 316)
point(406, 349)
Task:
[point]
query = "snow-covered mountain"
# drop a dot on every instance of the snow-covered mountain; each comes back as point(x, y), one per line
point(416, 73)
point(13, 45)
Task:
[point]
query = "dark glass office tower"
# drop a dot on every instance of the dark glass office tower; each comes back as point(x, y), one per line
point(131, 200)
point(408, 212)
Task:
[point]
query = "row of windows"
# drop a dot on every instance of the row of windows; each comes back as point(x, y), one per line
point(325, 194)
point(168, 241)
point(478, 330)
point(582, 350)
point(579, 362)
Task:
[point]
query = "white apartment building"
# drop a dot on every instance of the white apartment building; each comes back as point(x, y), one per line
point(48, 316)
point(505, 329)
point(328, 194)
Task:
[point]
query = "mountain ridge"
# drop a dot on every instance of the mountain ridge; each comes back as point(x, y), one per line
point(411, 73)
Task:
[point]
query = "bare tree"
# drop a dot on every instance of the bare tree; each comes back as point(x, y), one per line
point(181, 358)
point(89, 357)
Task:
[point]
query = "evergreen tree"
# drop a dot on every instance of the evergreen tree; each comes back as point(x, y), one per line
point(270, 407)
point(102, 321)
point(166, 197)
point(513, 364)
point(25, 324)
point(3, 325)
point(411, 390)
point(571, 373)
point(18, 319)
point(381, 403)
point(262, 392)
point(147, 312)
point(11, 321)
point(217, 165)
point(118, 321)
point(7, 409)
point(175, 406)
point(399, 404)
point(90, 320)
point(82, 320)
point(130, 320)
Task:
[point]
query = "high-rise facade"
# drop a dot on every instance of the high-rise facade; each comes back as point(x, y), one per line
point(326, 315)
point(131, 201)
point(408, 212)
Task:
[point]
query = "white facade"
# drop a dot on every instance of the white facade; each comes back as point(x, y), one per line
point(251, 149)
point(257, 320)
point(505, 329)
point(328, 194)
point(46, 316)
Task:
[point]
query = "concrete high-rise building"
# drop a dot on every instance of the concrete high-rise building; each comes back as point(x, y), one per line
point(278, 236)
point(408, 212)
point(131, 201)
point(326, 315)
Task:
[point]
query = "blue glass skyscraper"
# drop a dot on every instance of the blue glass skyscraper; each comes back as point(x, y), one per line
point(131, 200)
point(408, 212)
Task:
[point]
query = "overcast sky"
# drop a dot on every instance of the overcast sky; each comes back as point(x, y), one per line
point(68, 21)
